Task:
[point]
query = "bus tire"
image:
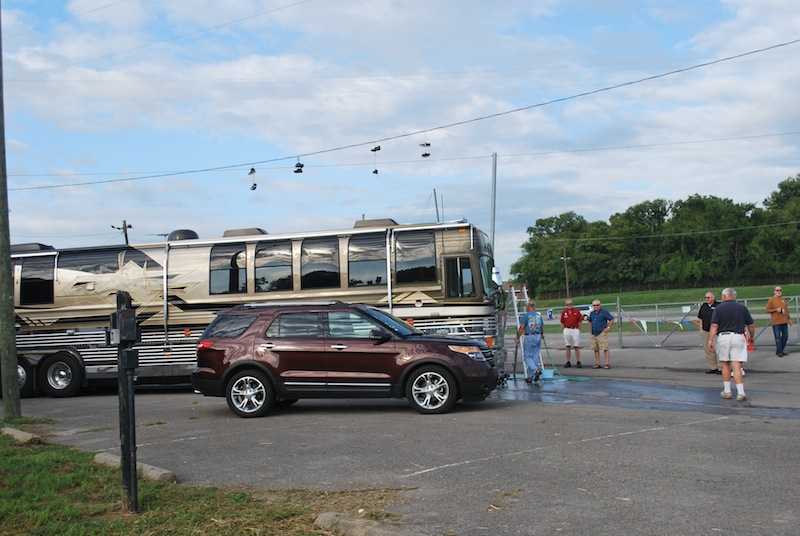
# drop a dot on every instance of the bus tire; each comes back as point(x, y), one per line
point(26, 383)
point(60, 376)
point(250, 394)
point(431, 389)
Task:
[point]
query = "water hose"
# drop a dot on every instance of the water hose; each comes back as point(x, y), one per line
point(556, 371)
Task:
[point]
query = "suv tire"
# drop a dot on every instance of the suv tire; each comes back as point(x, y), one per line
point(431, 389)
point(250, 394)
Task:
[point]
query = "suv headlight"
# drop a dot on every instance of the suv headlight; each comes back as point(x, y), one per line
point(472, 351)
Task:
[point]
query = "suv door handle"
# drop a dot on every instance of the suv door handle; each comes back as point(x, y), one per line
point(267, 346)
point(339, 346)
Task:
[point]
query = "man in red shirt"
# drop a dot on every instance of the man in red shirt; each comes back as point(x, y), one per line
point(571, 321)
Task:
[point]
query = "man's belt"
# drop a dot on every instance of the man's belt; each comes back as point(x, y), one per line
point(731, 333)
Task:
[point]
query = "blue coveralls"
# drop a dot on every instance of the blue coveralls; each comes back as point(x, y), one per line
point(532, 345)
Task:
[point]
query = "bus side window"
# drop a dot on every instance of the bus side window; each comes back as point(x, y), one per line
point(319, 263)
point(459, 278)
point(37, 284)
point(228, 269)
point(274, 266)
point(415, 257)
point(366, 259)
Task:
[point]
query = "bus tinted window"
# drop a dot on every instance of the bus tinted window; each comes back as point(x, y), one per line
point(459, 278)
point(140, 259)
point(319, 263)
point(37, 280)
point(228, 269)
point(92, 262)
point(366, 260)
point(274, 266)
point(415, 257)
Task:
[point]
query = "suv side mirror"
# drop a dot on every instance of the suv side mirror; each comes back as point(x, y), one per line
point(379, 336)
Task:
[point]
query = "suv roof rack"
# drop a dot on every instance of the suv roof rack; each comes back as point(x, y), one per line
point(289, 304)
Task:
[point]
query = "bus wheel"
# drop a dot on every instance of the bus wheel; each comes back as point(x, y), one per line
point(60, 376)
point(431, 389)
point(250, 394)
point(25, 378)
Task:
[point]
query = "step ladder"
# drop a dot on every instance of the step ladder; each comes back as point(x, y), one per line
point(518, 297)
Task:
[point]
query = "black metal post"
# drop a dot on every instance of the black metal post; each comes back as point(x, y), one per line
point(124, 333)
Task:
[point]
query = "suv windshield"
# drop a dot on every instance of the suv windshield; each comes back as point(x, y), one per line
point(392, 322)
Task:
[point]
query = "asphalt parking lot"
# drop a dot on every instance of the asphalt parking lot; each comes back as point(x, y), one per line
point(647, 447)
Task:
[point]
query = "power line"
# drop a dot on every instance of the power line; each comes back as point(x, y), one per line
point(79, 15)
point(142, 175)
point(669, 235)
point(425, 131)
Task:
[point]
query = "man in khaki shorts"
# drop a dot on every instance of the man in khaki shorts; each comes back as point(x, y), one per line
point(601, 321)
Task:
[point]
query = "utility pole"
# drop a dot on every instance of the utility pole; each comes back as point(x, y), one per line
point(566, 271)
point(8, 342)
point(124, 229)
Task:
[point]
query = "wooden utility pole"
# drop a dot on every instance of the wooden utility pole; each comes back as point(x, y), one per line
point(8, 341)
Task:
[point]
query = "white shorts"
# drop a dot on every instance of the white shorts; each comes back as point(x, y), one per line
point(572, 337)
point(732, 347)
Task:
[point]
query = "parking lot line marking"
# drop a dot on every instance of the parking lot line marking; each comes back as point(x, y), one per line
point(561, 445)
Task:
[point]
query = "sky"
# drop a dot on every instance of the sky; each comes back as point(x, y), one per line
point(153, 113)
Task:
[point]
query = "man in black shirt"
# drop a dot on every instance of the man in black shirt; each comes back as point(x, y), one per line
point(706, 310)
point(727, 338)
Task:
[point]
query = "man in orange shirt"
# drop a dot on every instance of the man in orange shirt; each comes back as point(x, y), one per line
point(776, 307)
point(571, 321)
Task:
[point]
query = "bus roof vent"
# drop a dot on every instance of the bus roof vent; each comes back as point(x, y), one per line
point(383, 222)
point(30, 248)
point(244, 232)
point(182, 234)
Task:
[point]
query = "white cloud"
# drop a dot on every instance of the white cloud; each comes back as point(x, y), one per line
point(145, 87)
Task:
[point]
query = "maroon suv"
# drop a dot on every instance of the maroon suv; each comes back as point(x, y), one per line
point(259, 356)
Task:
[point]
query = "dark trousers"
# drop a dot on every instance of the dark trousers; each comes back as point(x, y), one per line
point(781, 332)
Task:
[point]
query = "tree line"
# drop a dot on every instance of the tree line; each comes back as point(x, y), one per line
point(697, 242)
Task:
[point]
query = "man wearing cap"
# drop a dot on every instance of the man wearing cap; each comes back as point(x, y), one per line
point(727, 338)
point(532, 325)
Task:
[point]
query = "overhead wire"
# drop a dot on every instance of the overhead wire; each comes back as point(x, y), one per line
point(432, 129)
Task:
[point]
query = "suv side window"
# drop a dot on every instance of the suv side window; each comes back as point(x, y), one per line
point(348, 325)
point(229, 326)
point(296, 325)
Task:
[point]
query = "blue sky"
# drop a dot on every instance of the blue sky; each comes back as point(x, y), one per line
point(194, 94)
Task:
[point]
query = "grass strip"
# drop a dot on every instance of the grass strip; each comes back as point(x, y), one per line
point(55, 490)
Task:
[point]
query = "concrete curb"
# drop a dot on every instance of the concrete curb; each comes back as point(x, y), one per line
point(356, 526)
point(148, 472)
point(20, 436)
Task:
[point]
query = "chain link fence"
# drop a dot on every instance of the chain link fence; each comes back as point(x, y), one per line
point(675, 325)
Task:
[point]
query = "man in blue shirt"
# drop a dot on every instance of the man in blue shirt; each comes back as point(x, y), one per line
point(532, 325)
point(601, 321)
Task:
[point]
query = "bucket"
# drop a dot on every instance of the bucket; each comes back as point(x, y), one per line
point(547, 374)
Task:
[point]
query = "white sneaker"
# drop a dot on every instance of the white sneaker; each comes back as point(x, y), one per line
point(741, 398)
point(727, 395)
